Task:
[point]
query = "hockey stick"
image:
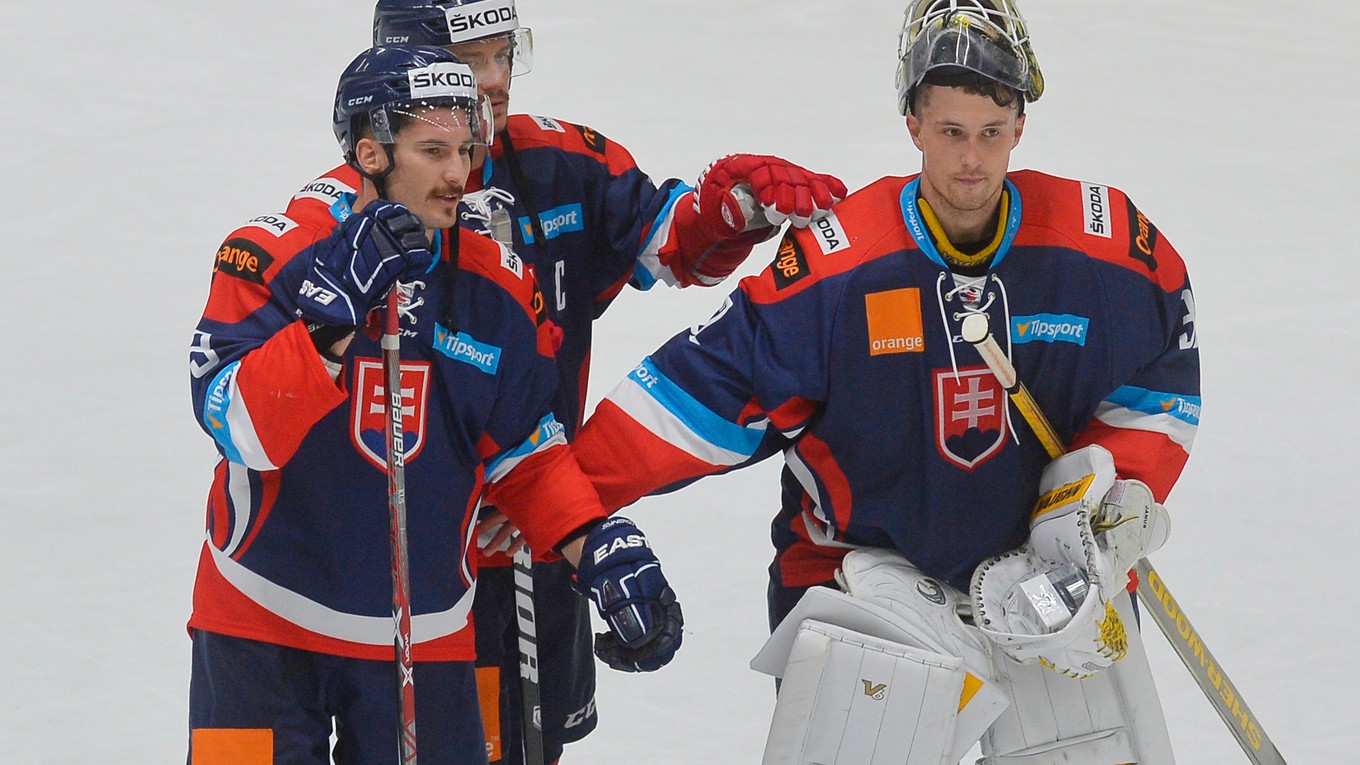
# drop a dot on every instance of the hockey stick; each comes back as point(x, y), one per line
point(1152, 590)
point(532, 734)
point(755, 214)
point(396, 506)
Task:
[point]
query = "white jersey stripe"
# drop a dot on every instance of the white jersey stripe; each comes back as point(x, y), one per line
point(1178, 430)
point(314, 617)
point(649, 270)
point(242, 430)
point(238, 495)
point(640, 405)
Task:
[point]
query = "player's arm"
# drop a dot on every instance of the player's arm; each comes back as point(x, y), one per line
point(712, 398)
point(738, 202)
point(539, 485)
point(685, 236)
point(1149, 422)
point(282, 298)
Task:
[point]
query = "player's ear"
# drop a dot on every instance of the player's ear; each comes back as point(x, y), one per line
point(914, 128)
point(370, 156)
point(1019, 128)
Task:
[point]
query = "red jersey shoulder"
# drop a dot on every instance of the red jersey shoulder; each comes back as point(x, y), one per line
point(865, 226)
point(249, 259)
point(499, 264)
point(529, 131)
point(256, 250)
point(484, 256)
point(1098, 220)
point(312, 203)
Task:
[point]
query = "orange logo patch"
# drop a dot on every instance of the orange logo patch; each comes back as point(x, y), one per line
point(895, 321)
point(231, 746)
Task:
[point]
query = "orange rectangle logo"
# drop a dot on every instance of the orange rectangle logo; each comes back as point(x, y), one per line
point(489, 699)
point(895, 321)
point(232, 746)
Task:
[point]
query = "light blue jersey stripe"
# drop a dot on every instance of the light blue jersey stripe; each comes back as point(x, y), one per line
point(698, 418)
point(916, 225)
point(1151, 402)
point(548, 433)
point(643, 274)
point(215, 411)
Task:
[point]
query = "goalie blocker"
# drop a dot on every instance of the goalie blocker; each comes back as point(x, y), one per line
point(892, 671)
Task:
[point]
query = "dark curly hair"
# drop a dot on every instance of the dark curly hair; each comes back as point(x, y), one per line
point(970, 82)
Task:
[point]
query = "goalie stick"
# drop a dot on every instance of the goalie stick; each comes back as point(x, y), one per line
point(396, 507)
point(1152, 589)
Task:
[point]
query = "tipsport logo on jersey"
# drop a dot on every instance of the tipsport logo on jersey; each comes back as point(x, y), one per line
point(970, 416)
point(1050, 328)
point(368, 419)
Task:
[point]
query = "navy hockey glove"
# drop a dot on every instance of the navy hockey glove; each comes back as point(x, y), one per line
point(353, 269)
point(621, 575)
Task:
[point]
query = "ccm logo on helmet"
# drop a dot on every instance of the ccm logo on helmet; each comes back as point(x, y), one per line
point(467, 22)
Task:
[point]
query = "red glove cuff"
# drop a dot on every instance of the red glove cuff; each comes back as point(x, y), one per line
point(699, 257)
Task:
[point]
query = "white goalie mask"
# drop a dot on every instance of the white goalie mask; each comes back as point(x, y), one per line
point(988, 37)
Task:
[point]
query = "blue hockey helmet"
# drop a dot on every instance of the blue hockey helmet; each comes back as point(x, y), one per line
point(451, 22)
point(988, 37)
point(388, 85)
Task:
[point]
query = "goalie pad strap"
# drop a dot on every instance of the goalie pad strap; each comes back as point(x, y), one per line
point(1110, 746)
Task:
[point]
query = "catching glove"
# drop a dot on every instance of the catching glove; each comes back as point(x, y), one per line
point(1051, 598)
point(353, 269)
point(621, 575)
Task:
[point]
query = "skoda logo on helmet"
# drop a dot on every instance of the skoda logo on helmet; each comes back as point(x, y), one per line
point(464, 22)
point(442, 79)
point(475, 21)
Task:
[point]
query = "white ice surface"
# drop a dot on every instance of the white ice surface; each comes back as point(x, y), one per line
point(138, 133)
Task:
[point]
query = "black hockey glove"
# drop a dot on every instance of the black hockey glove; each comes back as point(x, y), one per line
point(353, 269)
point(621, 575)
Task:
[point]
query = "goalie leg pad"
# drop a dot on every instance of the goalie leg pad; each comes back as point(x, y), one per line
point(1111, 717)
point(853, 699)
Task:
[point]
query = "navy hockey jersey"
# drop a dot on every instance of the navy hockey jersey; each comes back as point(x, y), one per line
point(845, 354)
point(296, 551)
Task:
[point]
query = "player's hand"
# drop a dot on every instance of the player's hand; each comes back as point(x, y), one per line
point(619, 572)
point(783, 190)
point(353, 269)
point(496, 534)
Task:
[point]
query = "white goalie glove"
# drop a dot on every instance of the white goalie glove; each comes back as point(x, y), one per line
point(1049, 600)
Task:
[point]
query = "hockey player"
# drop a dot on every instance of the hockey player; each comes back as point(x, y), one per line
point(909, 481)
point(589, 222)
point(292, 628)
